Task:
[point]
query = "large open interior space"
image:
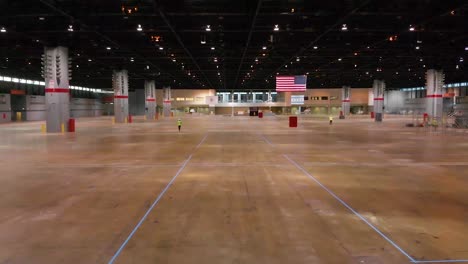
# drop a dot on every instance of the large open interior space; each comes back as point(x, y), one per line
point(233, 132)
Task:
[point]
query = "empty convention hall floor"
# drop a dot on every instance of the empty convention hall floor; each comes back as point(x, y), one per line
point(233, 190)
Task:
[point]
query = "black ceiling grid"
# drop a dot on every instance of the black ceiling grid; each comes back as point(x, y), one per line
point(310, 40)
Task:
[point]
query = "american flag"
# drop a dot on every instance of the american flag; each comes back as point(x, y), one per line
point(291, 83)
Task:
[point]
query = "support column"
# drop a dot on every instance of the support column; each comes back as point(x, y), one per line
point(434, 86)
point(378, 87)
point(57, 93)
point(345, 102)
point(120, 84)
point(150, 102)
point(167, 101)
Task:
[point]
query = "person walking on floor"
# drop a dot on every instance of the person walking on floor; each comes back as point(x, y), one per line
point(331, 119)
point(179, 123)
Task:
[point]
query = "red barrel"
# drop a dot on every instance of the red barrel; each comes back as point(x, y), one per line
point(260, 115)
point(130, 119)
point(71, 125)
point(293, 121)
point(425, 117)
point(372, 115)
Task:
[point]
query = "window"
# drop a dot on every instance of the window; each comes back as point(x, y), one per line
point(189, 99)
point(306, 98)
point(315, 98)
point(324, 98)
point(180, 99)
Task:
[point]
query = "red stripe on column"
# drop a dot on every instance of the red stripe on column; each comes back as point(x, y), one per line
point(120, 96)
point(378, 99)
point(57, 90)
point(151, 100)
point(434, 96)
point(167, 101)
point(346, 101)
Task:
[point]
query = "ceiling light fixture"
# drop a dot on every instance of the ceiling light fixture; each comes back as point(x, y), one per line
point(203, 40)
point(264, 48)
point(344, 27)
point(208, 28)
point(213, 48)
point(108, 48)
point(411, 28)
point(315, 47)
point(139, 28)
point(417, 47)
point(70, 28)
point(161, 48)
point(339, 59)
point(276, 28)
point(3, 30)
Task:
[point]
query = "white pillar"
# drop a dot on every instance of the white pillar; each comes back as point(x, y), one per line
point(434, 86)
point(57, 92)
point(167, 101)
point(120, 85)
point(150, 100)
point(345, 102)
point(379, 88)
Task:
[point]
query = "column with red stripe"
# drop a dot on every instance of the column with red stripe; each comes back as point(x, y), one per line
point(150, 100)
point(120, 85)
point(345, 102)
point(57, 93)
point(167, 105)
point(378, 88)
point(434, 100)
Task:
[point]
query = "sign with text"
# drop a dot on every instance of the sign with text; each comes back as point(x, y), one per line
point(297, 99)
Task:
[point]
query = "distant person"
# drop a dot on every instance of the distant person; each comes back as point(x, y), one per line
point(179, 123)
point(331, 119)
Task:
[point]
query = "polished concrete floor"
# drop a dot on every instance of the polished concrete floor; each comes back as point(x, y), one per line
point(233, 190)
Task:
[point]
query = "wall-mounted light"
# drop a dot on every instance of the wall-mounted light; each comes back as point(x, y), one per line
point(276, 28)
point(139, 28)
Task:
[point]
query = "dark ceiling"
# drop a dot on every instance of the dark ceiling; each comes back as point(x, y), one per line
point(378, 42)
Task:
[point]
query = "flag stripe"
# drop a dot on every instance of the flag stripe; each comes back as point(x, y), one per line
point(291, 83)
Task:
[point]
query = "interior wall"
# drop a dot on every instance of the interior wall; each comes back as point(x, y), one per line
point(5, 108)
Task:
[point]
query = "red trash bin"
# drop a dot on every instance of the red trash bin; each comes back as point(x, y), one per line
point(71, 125)
point(293, 121)
point(260, 115)
point(372, 115)
point(130, 119)
point(425, 117)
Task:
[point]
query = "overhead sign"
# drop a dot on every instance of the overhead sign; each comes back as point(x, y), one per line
point(297, 99)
